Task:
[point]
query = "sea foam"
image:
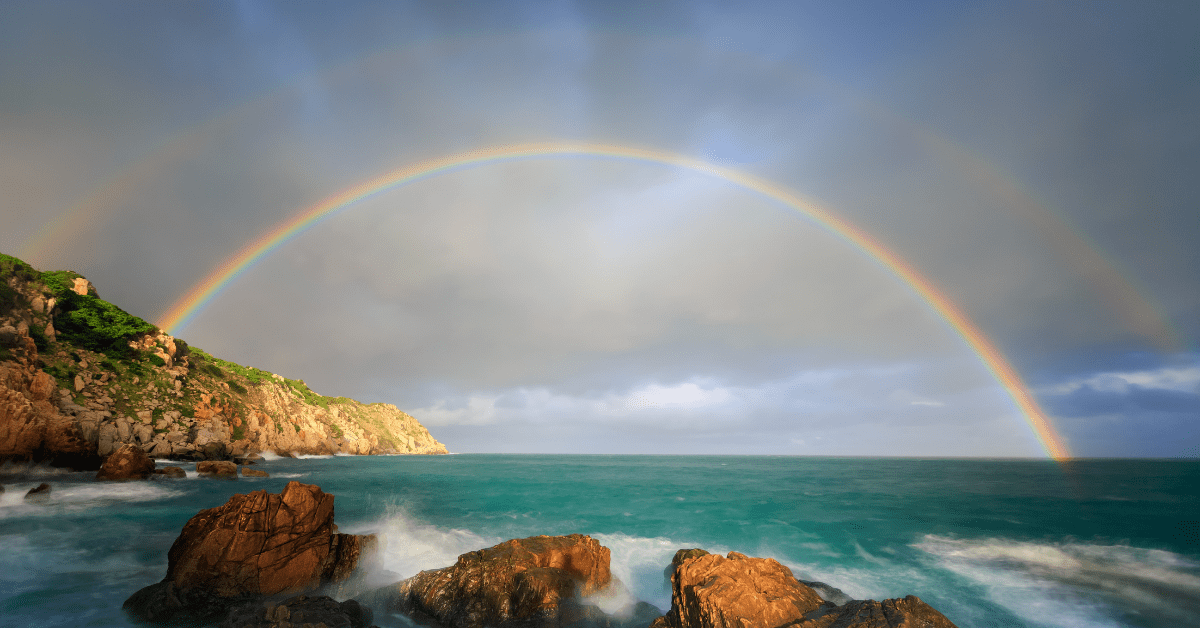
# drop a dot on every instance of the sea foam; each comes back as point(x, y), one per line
point(1072, 584)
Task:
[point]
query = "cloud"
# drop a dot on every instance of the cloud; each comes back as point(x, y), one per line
point(1180, 379)
point(577, 300)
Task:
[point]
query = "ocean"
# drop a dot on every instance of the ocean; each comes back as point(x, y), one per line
point(989, 543)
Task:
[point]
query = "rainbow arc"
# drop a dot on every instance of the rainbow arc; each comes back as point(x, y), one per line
point(185, 309)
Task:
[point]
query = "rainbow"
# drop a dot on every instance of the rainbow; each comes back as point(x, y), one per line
point(183, 311)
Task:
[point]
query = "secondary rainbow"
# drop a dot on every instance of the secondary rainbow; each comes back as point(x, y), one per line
point(183, 311)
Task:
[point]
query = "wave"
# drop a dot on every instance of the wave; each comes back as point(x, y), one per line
point(312, 456)
point(408, 545)
point(639, 563)
point(73, 497)
point(1070, 584)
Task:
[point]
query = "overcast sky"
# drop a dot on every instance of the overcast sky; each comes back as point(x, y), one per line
point(1037, 162)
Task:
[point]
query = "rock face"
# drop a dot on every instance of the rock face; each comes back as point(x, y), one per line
point(522, 582)
point(31, 426)
point(255, 545)
point(711, 591)
point(127, 463)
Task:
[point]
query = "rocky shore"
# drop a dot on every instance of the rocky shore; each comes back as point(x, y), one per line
point(267, 561)
point(80, 378)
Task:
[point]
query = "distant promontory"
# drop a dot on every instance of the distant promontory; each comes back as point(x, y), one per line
point(80, 377)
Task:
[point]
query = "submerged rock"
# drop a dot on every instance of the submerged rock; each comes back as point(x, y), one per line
point(737, 591)
point(39, 492)
point(301, 610)
point(127, 463)
point(217, 467)
point(171, 472)
point(254, 546)
point(523, 582)
point(907, 612)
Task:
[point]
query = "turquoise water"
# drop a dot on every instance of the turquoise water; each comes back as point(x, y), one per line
point(987, 542)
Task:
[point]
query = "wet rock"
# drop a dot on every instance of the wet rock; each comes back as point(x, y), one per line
point(710, 591)
point(40, 492)
point(254, 473)
point(217, 467)
point(827, 592)
point(171, 472)
point(298, 611)
point(907, 612)
point(256, 545)
point(127, 463)
point(737, 591)
point(522, 582)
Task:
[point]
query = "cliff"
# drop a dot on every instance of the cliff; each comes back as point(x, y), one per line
point(79, 377)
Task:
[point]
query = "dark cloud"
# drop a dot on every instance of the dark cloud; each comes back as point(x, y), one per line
point(1035, 162)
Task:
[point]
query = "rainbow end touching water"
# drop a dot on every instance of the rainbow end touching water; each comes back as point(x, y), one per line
point(184, 310)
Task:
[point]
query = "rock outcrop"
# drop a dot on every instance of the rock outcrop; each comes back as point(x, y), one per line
point(523, 582)
point(31, 426)
point(79, 378)
point(127, 463)
point(255, 545)
point(737, 591)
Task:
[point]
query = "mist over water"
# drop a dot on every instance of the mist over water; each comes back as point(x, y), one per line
point(989, 543)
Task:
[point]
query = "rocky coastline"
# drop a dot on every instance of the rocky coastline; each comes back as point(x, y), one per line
point(80, 378)
point(270, 561)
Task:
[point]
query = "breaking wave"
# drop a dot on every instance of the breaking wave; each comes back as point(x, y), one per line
point(1073, 584)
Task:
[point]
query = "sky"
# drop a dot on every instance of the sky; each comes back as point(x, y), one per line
point(1035, 162)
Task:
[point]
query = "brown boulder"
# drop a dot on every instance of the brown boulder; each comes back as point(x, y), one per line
point(127, 463)
point(255, 545)
point(709, 591)
point(254, 473)
point(713, 591)
point(528, 582)
point(218, 468)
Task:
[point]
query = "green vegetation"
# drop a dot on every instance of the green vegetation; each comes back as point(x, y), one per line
point(10, 265)
point(239, 432)
point(63, 374)
point(9, 299)
point(335, 430)
point(304, 392)
point(212, 369)
point(237, 388)
point(97, 325)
